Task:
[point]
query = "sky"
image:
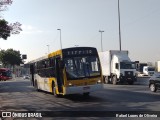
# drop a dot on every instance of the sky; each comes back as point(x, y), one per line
point(80, 22)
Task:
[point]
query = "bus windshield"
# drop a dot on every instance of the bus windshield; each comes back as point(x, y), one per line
point(127, 65)
point(80, 67)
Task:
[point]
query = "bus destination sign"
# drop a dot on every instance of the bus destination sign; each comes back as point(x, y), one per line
point(75, 52)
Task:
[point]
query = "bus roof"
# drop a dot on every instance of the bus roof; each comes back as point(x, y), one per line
point(38, 59)
point(59, 52)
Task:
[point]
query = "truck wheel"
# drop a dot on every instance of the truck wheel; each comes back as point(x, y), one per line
point(114, 80)
point(153, 87)
point(106, 80)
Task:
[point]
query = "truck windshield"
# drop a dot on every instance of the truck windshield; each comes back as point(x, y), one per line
point(151, 69)
point(127, 65)
point(81, 67)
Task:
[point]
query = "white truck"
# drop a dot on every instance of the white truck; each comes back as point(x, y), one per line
point(158, 66)
point(117, 67)
point(148, 70)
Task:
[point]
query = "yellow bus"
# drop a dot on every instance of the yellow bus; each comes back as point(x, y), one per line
point(68, 71)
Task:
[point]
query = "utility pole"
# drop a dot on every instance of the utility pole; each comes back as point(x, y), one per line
point(60, 38)
point(119, 26)
point(101, 31)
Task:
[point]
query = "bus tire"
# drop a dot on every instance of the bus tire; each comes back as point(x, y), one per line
point(54, 90)
point(114, 80)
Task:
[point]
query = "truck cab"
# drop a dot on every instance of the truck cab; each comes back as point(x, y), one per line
point(117, 67)
point(148, 70)
point(124, 69)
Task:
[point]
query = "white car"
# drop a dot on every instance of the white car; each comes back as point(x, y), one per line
point(26, 77)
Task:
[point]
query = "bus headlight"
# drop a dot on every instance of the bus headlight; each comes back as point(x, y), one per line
point(99, 81)
point(70, 84)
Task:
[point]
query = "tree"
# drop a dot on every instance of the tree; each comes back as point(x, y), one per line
point(4, 29)
point(10, 57)
point(4, 3)
point(7, 29)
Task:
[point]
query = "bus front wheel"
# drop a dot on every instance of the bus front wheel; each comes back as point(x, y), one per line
point(54, 90)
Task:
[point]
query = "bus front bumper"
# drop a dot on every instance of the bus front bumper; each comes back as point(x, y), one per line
point(83, 89)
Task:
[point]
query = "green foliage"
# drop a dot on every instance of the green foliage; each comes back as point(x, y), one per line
point(5, 30)
point(10, 57)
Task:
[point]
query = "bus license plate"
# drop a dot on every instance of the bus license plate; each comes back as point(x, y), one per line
point(86, 88)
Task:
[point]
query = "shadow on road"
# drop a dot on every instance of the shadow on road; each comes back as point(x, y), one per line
point(116, 98)
point(15, 86)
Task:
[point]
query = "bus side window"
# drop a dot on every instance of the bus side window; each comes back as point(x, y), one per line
point(52, 62)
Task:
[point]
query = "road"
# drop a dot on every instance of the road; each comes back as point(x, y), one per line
point(19, 95)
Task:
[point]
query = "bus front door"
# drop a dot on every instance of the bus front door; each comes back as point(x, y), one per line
point(59, 74)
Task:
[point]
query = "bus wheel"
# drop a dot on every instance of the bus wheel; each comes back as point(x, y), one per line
point(114, 80)
point(54, 90)
point(86, 94)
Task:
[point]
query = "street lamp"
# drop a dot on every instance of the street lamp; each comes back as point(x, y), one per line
point(101, 31)
point(48, 48)
point(60, 38)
